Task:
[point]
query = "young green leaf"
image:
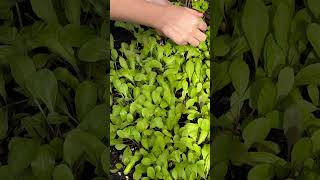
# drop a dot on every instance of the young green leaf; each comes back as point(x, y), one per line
point(95, 121)
point(43, 164)
point(76, 35)
point(308, 75)
point(189, 69)
point(38, 80)
point(221, 76)
point(222, 145)
point(273, 56)
point(285, 82)
point(105, 160)
point(281, 25)
point(22, 152)
point(85, 98)
point(255, 24)
point(63, 75)
point(40, 60)
point(45, 10)
point(312, 33)
point(73, 10)
point(239, 73)
point(313, 92)
point(79, 142)
point(62, 172)
point(93, 50)
point(314, 6)
point(21, 68)
point(256, 131)
point(301, 151)
point(267, 98)
point(293, 123)
point(217, 15)
point(261, 172)
point(222, 45)
point(220, 170)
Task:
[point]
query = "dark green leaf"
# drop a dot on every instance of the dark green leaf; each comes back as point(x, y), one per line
point(95, 121)
point(43, 164)
point(301, 151)
point(45, 10)
point(273, 56)
point(239, 73)
point(255, 24)
point(308, 75)
point(76, 35)
point(62, 172)
point(261, 172)
point(21, 68)
point(256, 131)
point(314, 6)
point(73, 10)
point(93, 50)
point(85, 98)
point(285, 82)
point(313, 31)
point(281, 25)
point(267, 98)
point(313, 92)
point(36, 83)
point(21, 153)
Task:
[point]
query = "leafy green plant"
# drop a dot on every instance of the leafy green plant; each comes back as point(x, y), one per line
point(53, 90)
point(265, 89)
point(160, 106)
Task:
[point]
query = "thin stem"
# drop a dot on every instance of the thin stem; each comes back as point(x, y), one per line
point(72, 118)
point(19, 15)
point(44, 115)
point(15, 103)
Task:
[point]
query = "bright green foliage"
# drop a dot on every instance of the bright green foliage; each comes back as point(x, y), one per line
point(160, 101)
point(266, 89)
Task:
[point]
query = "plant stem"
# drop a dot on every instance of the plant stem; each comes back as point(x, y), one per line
point(19, 16)
point(44, 115)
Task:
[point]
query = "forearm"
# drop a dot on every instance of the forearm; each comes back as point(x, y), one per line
point(136, 11)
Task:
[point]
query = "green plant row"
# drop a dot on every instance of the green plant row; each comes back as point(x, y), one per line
point(53, 90)
point(267, 64)
point(160, 106)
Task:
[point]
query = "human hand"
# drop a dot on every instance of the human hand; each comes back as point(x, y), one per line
point(182, 25)
point(160, 2)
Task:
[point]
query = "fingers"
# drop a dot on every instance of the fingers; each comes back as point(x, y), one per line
point(193, 41)
point(199, 35)
point(202, 25)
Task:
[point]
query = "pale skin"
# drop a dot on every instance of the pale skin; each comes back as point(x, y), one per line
point(182, 25)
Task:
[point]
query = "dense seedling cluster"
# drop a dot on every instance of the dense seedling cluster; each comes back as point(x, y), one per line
point(160, 107)
point(266, 89)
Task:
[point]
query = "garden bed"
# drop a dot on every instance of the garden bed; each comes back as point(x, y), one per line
point(266, 89)
point(127, 138)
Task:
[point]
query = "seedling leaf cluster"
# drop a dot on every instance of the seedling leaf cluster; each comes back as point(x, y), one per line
point(266, 89)
point(160, 106)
